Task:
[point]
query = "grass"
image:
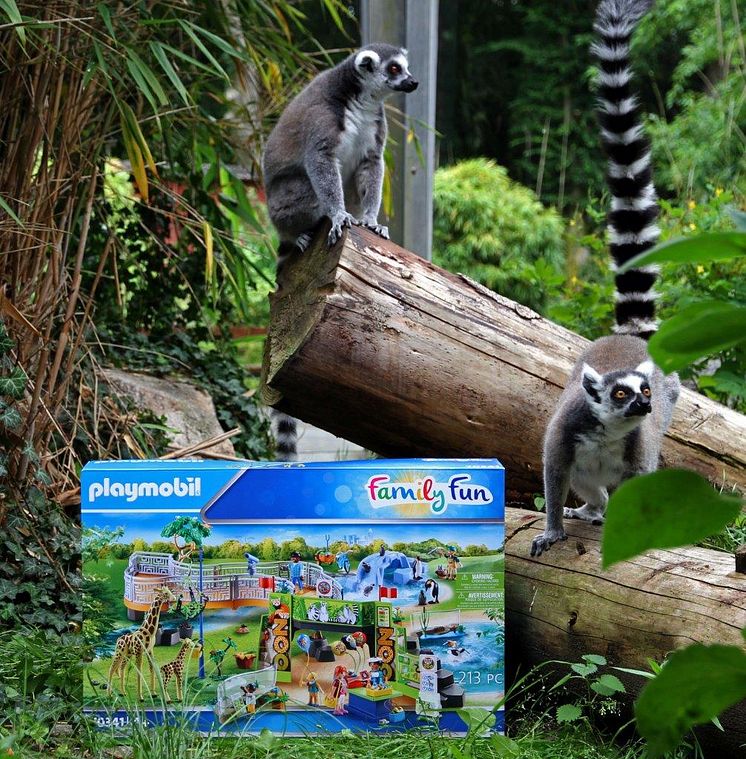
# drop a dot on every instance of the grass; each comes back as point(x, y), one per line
point(733, 536)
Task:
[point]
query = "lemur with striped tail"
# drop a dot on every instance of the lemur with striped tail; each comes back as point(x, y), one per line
point(324, 160)
point(613, 414)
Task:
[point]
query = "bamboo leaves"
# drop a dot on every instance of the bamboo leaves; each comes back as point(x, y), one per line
point(10, 9)
point(137, 149)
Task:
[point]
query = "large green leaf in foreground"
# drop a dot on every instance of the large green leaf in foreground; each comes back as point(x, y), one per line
point(713, 246)
point(696, 684)
point(701, 329)
point(664, 509)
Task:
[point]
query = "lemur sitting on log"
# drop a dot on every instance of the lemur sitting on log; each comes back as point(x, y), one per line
point(324, 159)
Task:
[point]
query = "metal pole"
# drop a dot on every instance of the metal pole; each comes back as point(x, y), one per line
point(412, 24)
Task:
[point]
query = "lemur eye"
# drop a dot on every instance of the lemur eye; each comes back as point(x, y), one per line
point(646, 392)
point(394, 69)
point(620, 394)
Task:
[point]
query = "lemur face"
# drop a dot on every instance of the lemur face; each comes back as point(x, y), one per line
point(619, 395)
point(384, 70)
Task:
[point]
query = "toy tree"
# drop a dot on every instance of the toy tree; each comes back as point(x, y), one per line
point(191, 530)
point(218, 655)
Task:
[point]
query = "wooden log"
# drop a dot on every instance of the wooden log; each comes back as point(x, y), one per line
point(561, 606)
point(375, 345)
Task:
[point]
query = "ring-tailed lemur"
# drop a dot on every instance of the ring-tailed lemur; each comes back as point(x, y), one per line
point(613, 414)
point(324, 159)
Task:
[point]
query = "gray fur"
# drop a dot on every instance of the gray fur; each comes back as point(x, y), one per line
point(594, 442)
point(324, 158)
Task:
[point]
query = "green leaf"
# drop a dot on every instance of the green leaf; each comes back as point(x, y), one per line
point(105, 14)
point(149, 76)
point(216, 67)
point(6, 342)
point(9, 417)
point(701, 329)
point(13, 385)
point(713, 246)
point(10, 9)
point(10, 211)
point(569, 713)
point(696, 684)
point(594, 659)
point(664, 509)
point(504, 746)
point(608, 684)
point(584, 669)
point(170, 71)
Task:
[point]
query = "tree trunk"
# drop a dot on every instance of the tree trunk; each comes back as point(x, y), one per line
point(375, 345)
point(562, 605)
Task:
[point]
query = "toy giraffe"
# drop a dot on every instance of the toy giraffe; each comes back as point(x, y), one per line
point(177, 668)
point(135, 644)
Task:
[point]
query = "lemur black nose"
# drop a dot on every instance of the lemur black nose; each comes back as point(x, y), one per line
point(410, 84)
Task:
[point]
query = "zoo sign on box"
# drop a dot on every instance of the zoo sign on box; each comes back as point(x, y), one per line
point(301, 598)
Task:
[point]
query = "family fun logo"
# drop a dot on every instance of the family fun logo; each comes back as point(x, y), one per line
point(131, 491)
point(438, 496)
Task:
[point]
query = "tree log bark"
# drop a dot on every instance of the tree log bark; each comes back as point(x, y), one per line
point(561, 606)
point(375, 345)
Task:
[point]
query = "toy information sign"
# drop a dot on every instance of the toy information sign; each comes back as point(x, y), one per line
point(302, 598)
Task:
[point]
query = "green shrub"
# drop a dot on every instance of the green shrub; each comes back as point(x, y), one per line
point(495, 231)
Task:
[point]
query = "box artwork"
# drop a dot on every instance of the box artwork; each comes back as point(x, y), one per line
point(302, 598)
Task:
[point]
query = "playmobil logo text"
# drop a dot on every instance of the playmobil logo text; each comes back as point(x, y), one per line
point(131, 491)
point(458, 491)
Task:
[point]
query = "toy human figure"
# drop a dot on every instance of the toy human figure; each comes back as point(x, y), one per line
point(296, 571)
point(377, 680)
point(313, 689)
point(249, 697)
point(452, 566)
point(340, 689)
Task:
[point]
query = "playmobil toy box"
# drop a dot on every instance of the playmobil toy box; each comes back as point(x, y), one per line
point(302, 598)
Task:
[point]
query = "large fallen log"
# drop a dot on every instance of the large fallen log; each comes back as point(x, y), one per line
point(376, 345)
point(562, 605)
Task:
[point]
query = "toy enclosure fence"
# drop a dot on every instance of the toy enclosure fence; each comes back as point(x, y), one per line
point(225, 584)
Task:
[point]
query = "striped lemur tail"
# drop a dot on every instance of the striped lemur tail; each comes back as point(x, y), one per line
point(634, 207)
point(285, 429)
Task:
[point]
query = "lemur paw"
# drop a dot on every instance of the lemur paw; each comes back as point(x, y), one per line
point(303, 241)
point(374, 226)
point(340, 220)
point(586, 513)
point(544, 542)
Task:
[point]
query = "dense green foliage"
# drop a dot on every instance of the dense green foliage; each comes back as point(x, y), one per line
point(515, 84)
point(496, 232)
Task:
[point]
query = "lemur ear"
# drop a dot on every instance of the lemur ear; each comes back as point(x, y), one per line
point(368, 60)
point(646, 367)
point(592, 382)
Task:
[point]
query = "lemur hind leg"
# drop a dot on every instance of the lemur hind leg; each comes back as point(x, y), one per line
point(593, 510)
